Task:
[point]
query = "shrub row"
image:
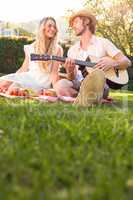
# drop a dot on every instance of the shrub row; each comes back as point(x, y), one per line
point(11, 54)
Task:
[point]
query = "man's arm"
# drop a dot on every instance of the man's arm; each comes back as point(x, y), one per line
point(119, 61)
point(114, 58)
point(70, 69)
point(122, 61)
point(69, 65)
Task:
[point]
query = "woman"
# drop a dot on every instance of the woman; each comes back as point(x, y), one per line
point(36, 75)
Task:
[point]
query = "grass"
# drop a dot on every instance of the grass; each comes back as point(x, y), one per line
point(59, 151)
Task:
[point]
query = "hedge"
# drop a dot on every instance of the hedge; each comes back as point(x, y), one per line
point(11, 54)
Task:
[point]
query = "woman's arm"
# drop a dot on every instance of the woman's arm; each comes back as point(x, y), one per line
point(54, 73)
point(24, 67)
point(122, 61)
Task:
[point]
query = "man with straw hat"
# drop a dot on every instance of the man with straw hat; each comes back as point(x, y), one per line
point(100, 50)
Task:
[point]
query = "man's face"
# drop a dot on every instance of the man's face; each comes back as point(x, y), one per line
point(78, 26)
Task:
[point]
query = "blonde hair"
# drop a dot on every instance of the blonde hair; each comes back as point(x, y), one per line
point(41, 44)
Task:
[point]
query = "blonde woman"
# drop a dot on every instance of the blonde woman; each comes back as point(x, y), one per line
point(36, 75)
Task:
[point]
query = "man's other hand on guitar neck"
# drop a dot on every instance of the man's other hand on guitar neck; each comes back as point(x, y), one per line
point(70, 68)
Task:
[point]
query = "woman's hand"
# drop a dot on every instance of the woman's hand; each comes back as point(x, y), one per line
point(106, 63)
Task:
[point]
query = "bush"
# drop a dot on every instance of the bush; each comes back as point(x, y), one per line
point(11, 54)
point(130, 85)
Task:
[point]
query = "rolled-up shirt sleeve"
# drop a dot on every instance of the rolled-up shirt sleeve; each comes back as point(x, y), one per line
point(110, 48)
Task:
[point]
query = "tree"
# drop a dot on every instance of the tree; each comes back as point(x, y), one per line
point(23, 32)
point(115, 21)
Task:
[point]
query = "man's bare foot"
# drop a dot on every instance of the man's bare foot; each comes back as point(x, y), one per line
point(49, 92)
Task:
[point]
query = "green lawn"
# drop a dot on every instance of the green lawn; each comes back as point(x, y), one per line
point(59, 151)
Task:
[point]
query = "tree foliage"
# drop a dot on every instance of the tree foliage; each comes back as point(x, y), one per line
point(115, 21)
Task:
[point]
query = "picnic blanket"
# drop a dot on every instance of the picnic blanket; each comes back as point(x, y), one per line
point(46, 95)
point(52, 99)
point(44, 98)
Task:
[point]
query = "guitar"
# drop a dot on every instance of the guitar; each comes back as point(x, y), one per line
point(115, 78)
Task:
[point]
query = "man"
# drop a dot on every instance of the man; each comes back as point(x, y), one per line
point(99, 50)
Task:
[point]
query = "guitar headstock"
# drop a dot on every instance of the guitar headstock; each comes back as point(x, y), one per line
point(41, 57)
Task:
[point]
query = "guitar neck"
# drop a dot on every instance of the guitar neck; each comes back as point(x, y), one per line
point(43, 57)
point(77, 62)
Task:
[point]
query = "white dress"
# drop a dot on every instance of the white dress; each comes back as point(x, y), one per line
point(34, 78)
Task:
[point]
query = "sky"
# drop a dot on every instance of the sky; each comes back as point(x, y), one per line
point(26, 10)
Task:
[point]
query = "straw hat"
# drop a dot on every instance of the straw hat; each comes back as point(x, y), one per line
point(82, 13)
